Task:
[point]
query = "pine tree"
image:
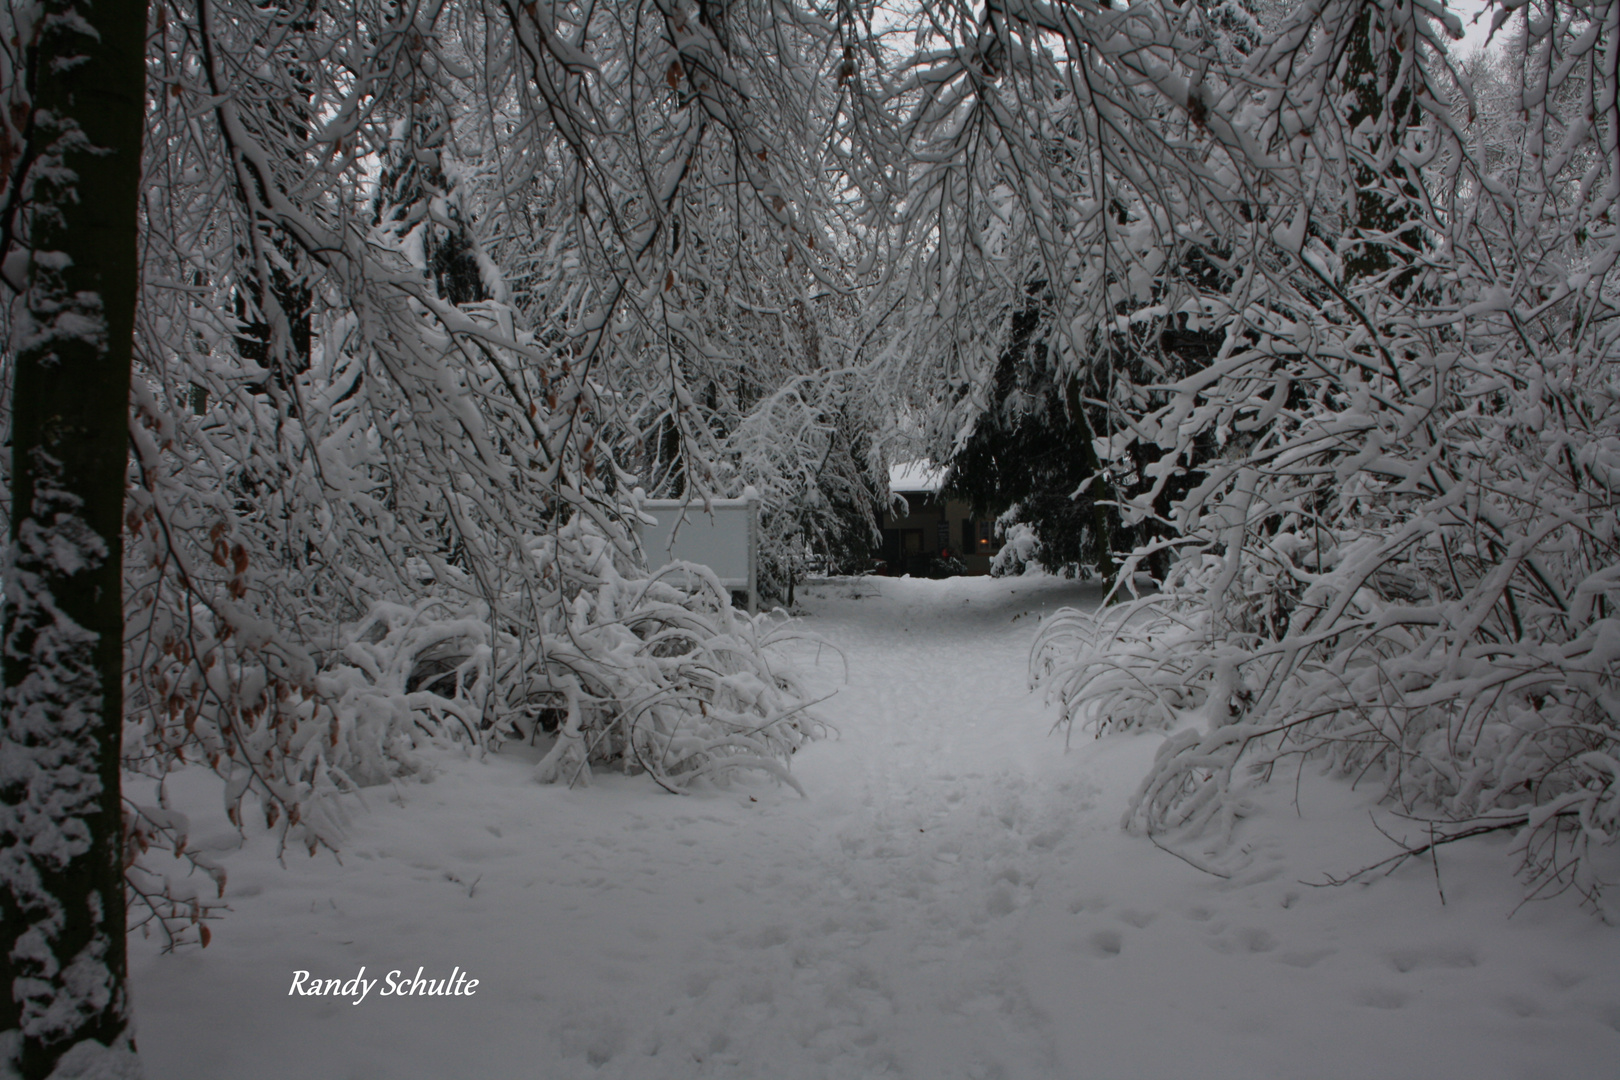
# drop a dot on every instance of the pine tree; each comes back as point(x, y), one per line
point(1031, 451)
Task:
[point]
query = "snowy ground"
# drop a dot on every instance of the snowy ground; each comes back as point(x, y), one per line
point(954, 899)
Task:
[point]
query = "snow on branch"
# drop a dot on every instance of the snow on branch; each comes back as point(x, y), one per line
point(1392, 489)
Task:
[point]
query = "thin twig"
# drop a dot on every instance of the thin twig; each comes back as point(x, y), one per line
point(1195, 864)
point(1409, 852)
point(1434, 857)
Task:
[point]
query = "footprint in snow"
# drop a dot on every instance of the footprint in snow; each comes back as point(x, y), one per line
point(1305, 958)
point(1525, 1008)
point(1106, 943)
point(596, 1040)
point(768, 937)
point(1381, 997)
point(1046, 841)
point(1564, 980)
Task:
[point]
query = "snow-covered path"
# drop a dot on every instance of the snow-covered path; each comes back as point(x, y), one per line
point(954, 899)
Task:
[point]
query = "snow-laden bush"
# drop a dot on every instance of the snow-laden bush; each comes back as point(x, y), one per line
point(1399, 548)
point(1120, 668)
point(1023, 550)
point(383, 420)
point(289, 698)
point(1020, 549)
point(1462, 653)
point(663, 675)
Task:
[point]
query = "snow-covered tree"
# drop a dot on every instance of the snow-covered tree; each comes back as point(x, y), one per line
point(70, 136)
point(419, 281)
point(1400, 561)
point(430, 289)
point(529, 239)
point(1106, 301)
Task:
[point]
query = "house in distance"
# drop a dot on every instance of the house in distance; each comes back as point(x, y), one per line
point(936, 536)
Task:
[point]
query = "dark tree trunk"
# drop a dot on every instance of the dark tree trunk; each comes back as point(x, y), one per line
point(73, 162)
point(1385, 230)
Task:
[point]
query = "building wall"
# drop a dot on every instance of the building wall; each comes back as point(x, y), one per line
point(932, 526)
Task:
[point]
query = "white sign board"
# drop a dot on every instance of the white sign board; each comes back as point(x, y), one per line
point(724, 536)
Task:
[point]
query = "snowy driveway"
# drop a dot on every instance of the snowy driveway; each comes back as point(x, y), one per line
point(954, 899)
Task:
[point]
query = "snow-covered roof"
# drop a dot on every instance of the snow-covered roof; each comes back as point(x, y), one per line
point(920, 475)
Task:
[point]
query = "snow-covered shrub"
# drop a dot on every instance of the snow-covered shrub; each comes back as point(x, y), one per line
point(379, 490)
point(1120, 669)
point(663, 675)
point(1398, 538)
point(405, 673)
point(1020, 549)
point(1457, 645)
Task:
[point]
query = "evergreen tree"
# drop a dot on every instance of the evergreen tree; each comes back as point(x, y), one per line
point(1032, 451)
point(1118, 308)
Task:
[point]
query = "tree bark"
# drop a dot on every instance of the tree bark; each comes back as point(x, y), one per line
point(70, 219)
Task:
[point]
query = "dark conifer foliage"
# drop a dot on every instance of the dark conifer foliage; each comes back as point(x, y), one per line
point(1033, 453)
